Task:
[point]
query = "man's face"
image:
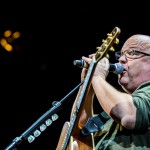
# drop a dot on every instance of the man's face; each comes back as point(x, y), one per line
point(137, 66)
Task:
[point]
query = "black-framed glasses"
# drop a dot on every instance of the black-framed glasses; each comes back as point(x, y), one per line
point(130, 54)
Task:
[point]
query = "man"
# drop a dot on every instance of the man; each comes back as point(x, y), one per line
point(129, 111)
point(129, 125)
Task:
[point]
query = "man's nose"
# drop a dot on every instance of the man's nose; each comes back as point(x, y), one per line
point(123, 58)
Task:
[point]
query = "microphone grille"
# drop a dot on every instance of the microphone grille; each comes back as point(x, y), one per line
point(79, 63)
point(119, 68)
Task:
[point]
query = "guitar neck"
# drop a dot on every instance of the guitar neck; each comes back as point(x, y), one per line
point(79, 106)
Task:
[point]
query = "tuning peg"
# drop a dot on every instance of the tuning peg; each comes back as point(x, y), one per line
point(112, 49)
point(99, 48)
point(104, 41)
point(107, 56)
point(109, 34)
point(117, 41)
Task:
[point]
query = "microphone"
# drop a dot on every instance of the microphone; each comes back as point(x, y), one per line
point(116, 68)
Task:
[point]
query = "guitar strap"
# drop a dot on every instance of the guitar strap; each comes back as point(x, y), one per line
point(95, 123)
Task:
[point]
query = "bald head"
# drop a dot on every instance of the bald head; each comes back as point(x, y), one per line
point(142, 42)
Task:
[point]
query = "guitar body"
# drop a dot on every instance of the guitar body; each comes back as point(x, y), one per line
point(71, 138)
point(75, 143)
point(63, 135)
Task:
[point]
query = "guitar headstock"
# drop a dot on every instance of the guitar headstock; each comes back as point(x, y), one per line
point(107, 44)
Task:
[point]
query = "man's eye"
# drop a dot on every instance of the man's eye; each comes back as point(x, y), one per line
point(136, 53)
point(131, 53)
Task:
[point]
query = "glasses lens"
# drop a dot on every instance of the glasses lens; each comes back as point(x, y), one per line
point(117, 55)
point(132, 54)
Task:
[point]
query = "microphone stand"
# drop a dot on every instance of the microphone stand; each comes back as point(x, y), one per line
point(25, 135)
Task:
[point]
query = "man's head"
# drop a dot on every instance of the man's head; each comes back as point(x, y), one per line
point(136, 63)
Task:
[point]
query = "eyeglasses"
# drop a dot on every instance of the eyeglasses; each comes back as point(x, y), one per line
point(130, 54)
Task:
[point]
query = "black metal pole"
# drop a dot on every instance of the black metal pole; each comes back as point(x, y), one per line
point(56, 107)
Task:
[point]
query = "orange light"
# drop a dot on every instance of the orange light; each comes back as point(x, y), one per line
point(7, 33)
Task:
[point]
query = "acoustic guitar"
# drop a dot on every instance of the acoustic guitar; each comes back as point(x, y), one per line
point(71, 137)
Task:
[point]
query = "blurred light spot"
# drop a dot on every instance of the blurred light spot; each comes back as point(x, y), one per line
point(7, 41)
point(7, 33)
point(16, 35)
point(3, 42)
point(5, 45)
point(8, 47)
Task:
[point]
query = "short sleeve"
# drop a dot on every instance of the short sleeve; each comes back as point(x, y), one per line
point(141, 99)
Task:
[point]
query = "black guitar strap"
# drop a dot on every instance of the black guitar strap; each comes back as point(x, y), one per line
point(95, 123)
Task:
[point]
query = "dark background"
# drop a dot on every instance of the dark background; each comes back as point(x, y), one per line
point(40, 70)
